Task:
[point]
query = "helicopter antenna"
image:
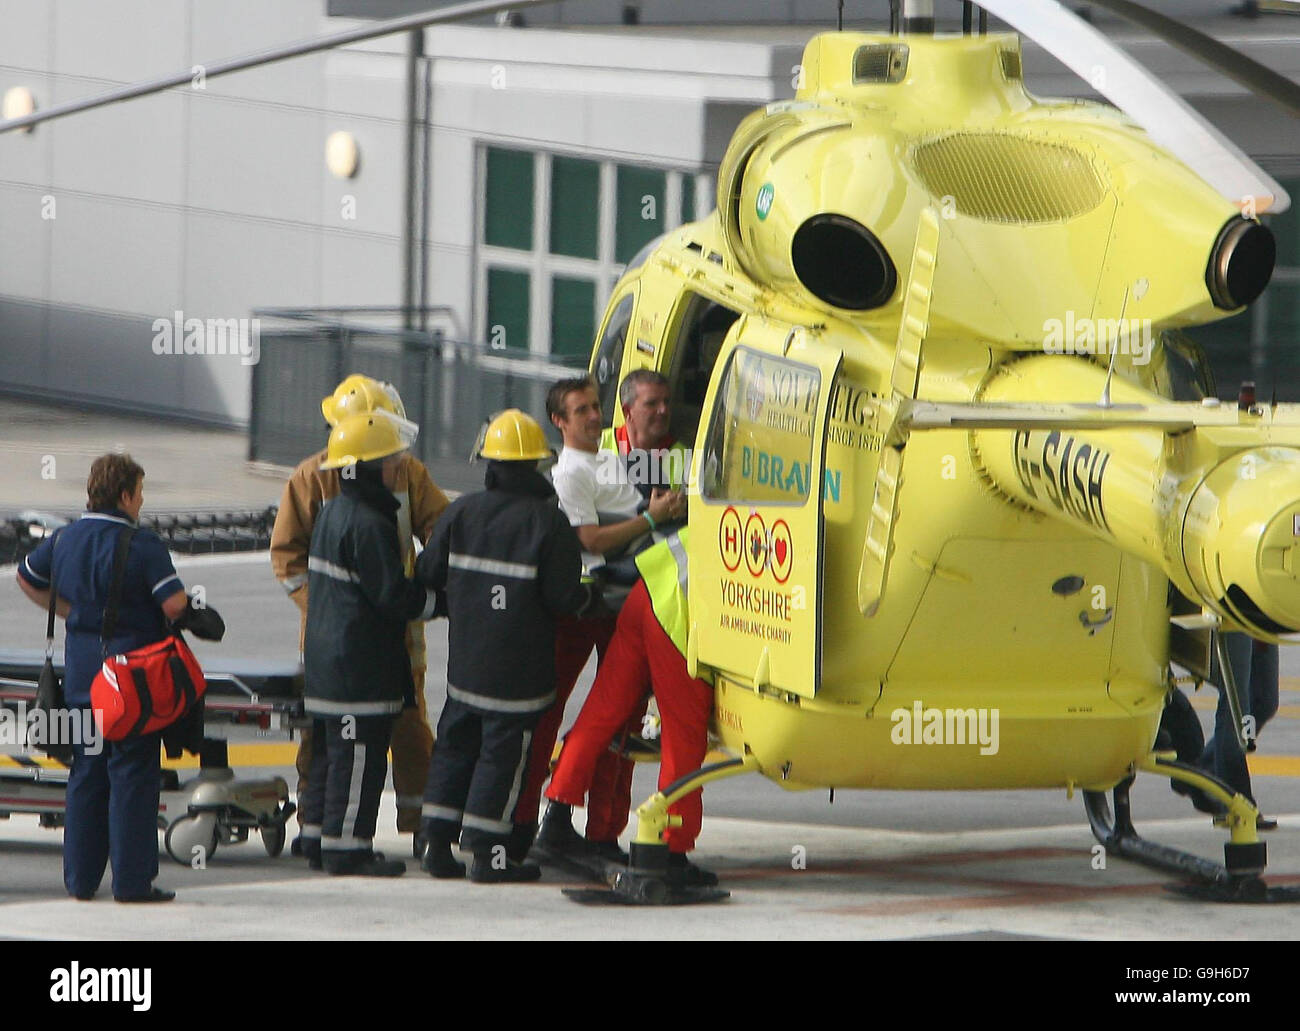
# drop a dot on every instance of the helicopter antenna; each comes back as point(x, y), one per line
point(1104, 401)
point(967, 16)
point(895, 16)
point(839, 17)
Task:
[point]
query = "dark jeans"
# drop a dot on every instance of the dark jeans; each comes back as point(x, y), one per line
point(1255, 668)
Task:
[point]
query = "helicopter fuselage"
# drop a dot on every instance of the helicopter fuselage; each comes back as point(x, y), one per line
point(1021, 636)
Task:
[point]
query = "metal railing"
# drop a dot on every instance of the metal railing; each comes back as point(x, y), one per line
point(449, 386)
point(183, 531)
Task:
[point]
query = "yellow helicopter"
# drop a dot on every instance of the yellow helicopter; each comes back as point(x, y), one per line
point(954, 477)
point(951, 454)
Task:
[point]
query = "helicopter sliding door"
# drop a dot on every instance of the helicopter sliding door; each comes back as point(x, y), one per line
point(756, 515)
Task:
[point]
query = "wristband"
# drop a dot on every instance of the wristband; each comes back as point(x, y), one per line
point(648, 519)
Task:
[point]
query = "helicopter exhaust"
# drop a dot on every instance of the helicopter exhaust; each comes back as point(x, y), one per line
point(1221, 521)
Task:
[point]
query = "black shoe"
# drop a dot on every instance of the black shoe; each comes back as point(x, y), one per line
point(372, 864)
point(438, 862)
point(1201, 802)
point(609, 851)
point(558, 838)
point(82, 896)
point(522, 836)
point(309, 847)
point(155, 895)
point(295, 846)
point(682, 873)
point(484, 871)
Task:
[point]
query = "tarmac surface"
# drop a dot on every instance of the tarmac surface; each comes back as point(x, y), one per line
point(881, 864)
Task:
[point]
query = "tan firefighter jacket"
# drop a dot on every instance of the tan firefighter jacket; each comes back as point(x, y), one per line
point(310, 487)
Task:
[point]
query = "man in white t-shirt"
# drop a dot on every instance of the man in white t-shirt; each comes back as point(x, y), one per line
point(611, 518)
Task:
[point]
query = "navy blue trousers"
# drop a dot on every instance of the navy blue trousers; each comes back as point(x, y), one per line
point(112, 816)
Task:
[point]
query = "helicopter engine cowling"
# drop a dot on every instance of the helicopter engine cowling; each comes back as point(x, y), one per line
point(1048, 209)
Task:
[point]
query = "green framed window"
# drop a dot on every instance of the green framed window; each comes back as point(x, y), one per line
point(573, 315)
point(575, 211)
point(639, 209)
point(508, 309)
point(508, 211)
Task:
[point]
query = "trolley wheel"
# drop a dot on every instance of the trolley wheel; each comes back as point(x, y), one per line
point(196, 831)
point(273, 837)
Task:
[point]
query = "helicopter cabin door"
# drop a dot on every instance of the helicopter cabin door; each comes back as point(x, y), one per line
point(756, 515)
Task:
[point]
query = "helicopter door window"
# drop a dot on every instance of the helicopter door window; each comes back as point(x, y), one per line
point(700, 334)
point(609, 356)
point(759, 447)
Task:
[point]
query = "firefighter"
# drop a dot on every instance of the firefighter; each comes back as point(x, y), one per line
point(421, 503)
point(509, 564)
point(647, 652)
point(358, 673)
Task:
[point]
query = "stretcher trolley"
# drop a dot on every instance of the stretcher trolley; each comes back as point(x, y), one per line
point(214, 808)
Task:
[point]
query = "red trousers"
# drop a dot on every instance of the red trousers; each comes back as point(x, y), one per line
point(611, 791)
point(640, 657)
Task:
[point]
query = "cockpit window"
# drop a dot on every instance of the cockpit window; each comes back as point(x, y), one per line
point(759, 447)
point(609, 356)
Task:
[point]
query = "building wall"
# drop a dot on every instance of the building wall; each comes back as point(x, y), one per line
point(215, 201)
point(210, 201)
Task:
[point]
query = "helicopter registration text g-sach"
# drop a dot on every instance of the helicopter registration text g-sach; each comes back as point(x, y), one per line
point(1067, 471)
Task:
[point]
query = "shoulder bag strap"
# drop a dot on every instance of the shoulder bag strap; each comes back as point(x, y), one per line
point(109, 626)
point(54, 595)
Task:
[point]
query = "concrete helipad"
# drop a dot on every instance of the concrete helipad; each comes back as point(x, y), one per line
point(787, 881)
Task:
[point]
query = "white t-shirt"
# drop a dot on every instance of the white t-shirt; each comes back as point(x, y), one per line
point(593, 491)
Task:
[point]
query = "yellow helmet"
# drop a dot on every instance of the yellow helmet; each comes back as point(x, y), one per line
point(358, 395)
point(513, 436)
point(367, 437)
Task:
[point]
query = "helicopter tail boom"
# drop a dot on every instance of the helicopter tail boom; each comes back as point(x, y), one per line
point(1209, 495)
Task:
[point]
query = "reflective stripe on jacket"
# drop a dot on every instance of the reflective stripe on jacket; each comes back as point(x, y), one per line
point(664, 569)
point(309, 488)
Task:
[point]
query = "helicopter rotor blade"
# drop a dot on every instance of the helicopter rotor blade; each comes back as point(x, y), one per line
point(1167, 118)
point(374, 30)
point(1259, 79)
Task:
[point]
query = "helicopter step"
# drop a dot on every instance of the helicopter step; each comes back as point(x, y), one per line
point(1237, 880)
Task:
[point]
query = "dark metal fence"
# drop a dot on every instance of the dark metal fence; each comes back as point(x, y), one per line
point(447, 385)
point(187, 532)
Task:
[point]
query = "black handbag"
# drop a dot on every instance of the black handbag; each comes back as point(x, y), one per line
point(49, 688)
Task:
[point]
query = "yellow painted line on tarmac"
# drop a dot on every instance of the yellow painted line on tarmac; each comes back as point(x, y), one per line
point(270, 754)
point(1274, 765)
point(1285, 712)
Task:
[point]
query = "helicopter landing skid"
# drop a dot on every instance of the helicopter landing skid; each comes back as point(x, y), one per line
point(1235, 881)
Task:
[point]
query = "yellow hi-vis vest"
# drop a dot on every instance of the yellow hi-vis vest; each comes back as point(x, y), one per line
point(674, 457)
point(663, 568)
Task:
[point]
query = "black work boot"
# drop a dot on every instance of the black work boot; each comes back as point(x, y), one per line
point(310, 849)
point(521, 840)
point(557, 837)
point(362, 864)
point(682, 873)
point(493, 866)
point(609, 851)
point(437, 861)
